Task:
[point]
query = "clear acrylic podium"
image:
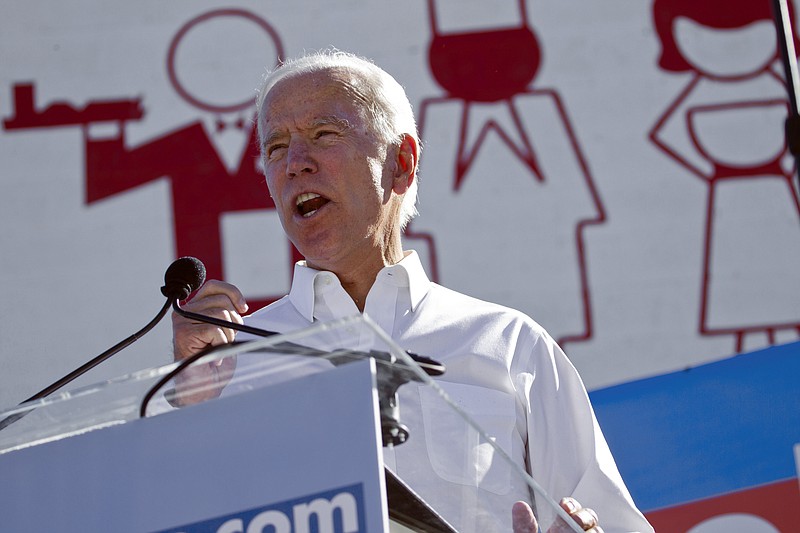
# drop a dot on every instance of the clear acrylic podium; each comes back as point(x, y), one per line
point(306, 431)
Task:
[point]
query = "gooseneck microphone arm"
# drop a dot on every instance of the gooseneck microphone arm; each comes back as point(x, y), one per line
point(390, 376)
point(102, 357)
point(221, 323)
point(183, 276)
point(429, 365)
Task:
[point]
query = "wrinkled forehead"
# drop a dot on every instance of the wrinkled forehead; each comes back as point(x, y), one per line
point(322, 91)
point(334, 85)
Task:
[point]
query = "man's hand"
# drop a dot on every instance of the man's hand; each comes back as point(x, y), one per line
point(203, 382)
point(523, 520)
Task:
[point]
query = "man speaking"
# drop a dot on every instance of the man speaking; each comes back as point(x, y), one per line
point(340, 151)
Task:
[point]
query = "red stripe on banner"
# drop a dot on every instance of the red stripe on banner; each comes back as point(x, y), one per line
point(773, 503)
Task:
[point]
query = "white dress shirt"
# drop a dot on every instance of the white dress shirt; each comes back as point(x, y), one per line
point(504, 370)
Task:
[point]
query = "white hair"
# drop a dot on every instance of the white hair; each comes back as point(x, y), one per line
point(388, 108)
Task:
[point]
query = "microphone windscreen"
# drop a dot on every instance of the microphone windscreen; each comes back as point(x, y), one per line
point(183, 277)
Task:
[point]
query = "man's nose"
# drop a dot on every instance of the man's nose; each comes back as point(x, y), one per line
point(300, 159)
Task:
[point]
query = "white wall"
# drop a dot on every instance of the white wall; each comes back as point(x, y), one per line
point(76, 278)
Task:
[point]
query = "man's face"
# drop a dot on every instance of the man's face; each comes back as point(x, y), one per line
point(327, 171)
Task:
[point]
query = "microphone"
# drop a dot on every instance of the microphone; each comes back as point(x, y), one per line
point(183, 277)
point(390, 376)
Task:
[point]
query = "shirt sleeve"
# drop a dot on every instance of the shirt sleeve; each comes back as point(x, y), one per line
point(567, 452)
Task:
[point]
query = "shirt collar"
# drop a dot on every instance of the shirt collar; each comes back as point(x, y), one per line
point(307, 282)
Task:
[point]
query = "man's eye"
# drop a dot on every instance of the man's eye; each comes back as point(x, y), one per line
point(325, 133)
point(274, 149)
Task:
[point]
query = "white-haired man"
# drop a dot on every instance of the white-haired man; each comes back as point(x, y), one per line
point(340, 152)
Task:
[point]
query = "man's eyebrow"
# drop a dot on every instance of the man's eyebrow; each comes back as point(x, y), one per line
point(272, 137)
point(331, 120)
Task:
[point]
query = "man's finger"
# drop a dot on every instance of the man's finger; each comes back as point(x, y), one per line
point(585, 518)
point(212, 301)
point(522, 519)
point(213, 289)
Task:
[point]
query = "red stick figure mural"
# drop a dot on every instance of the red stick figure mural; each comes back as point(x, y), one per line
point(493, 70)
point(726, 128)
point(203, 188)
point(485, 66)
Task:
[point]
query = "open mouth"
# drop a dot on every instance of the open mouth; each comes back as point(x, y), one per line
point(308, 203)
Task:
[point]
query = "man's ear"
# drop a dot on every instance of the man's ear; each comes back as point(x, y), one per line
point(406, 164)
